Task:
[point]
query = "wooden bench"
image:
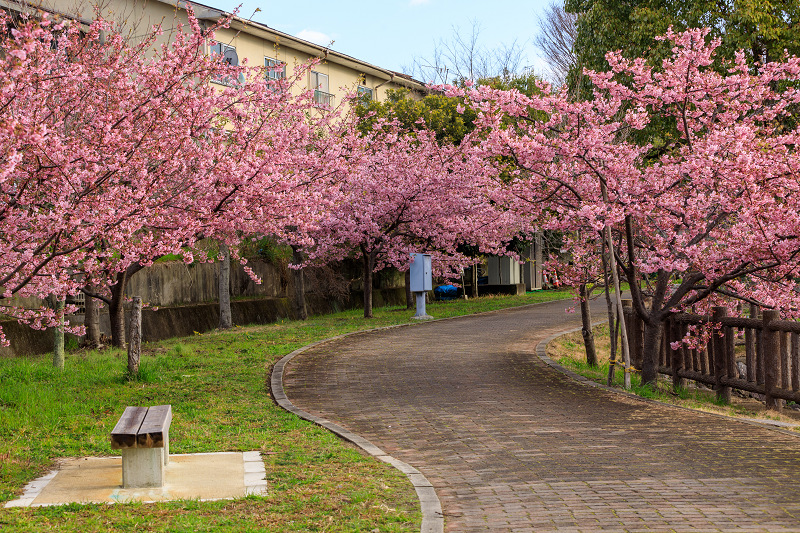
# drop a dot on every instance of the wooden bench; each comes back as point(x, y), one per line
point(142, 434)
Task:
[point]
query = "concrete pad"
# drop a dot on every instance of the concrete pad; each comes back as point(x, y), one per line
point(202, 476)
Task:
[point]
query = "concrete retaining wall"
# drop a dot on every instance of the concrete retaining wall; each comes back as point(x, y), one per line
point(186, 297)
point(175, 283)
point(178, 321)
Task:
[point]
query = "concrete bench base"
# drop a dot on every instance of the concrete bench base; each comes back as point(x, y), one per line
point(143, 467)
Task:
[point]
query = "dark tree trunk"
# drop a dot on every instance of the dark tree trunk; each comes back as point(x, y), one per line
point(651, 351)
point(409, 295)
point(586, 327)
point(225, 316)
point(369, 264)
point(116, 310)
point(299, 299)
point(474, 289)
point(91, 320)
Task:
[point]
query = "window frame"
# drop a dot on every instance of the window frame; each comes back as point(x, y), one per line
point(322, 98)
point(222, 48)
point(273, 74)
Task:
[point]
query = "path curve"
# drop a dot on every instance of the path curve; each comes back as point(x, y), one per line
point(431, 508)
point(510, 444)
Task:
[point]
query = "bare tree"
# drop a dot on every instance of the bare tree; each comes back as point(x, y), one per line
point(556, 40)
point(462, 57)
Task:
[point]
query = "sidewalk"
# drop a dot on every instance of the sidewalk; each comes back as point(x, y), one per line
point(510, 444)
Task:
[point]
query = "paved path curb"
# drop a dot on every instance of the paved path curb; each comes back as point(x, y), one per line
point(541, 353)
point(432, 517)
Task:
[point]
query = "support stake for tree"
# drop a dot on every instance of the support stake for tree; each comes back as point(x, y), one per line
point(135, 344)
point(58, 335)
point(626, 350)
point(225, 317)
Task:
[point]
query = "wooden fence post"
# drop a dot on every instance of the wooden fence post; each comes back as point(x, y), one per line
point(135, 344)
point(784, 380)
point(771, 345)
point(720, 355)
point(795, 362)
point(750, 347)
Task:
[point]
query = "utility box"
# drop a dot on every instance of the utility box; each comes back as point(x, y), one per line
point(503, 270)
point(421, 273)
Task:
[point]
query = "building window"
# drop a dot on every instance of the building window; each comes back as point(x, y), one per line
point(319, 83)
point(364, 94)
point(276, 70)
point(229, 55)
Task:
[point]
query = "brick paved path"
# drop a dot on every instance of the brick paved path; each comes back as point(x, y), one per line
point(512, 445)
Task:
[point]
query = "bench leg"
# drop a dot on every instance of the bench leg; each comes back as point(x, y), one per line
point(166, 447)
point(143, 467)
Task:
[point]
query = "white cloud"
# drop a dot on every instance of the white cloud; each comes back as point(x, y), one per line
point(315, 37)
point(418, 2)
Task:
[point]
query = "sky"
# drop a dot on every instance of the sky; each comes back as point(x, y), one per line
point(391, 33)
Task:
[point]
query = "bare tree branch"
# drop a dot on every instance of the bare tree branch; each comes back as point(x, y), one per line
point(556, 40)
point(462, 57)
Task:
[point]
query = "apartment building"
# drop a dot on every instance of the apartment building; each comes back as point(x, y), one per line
point(334, 76)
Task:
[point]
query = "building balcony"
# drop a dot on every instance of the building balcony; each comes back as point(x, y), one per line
point(323, 99)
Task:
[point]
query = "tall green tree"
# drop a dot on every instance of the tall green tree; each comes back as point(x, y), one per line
point(434, 111)
point(762, 28)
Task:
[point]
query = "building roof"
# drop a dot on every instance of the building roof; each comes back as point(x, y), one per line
point(203, 12)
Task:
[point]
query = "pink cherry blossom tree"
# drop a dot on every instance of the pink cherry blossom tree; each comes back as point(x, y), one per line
point(115, 155)
point(403, 193)
point(706, 209)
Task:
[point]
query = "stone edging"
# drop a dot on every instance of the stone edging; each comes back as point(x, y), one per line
point(32, 490)
point(432, 517)
point(541, 353)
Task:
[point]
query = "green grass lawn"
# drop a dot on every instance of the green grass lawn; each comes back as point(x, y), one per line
point(217, 384)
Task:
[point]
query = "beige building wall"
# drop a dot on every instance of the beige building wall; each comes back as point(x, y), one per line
point(252, 41)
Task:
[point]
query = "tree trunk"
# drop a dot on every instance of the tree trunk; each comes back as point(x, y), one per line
point(225, 317)
point(299, 301)
point(369, 264)
point(474, 289)
point(586, 327)
point(58, 336)
point(91, 320)
point(116, 310)
point(651, 351)
point(409, 294)
point(135, 346)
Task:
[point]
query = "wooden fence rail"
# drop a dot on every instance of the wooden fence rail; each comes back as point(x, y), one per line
point(767, 348)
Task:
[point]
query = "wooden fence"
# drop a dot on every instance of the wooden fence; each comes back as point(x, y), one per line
point(768, 347)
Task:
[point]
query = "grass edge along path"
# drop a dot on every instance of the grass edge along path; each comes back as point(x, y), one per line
point(218, 385)
point(567, 351)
